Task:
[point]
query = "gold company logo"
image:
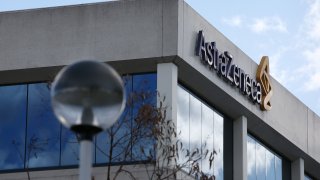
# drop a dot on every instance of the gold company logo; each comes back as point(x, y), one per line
point(263, 76)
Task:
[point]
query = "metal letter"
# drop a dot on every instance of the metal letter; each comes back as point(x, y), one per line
point(236, 76)
point(200, 47)
point(263, 77)
point(259, 93)
point(248, 84)
point(209, 54)
point(229, 67)
point(253, 90)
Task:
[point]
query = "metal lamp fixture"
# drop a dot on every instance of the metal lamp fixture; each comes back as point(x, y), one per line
point(87, 97)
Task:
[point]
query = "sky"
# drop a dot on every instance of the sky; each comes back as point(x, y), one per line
point(288, 31)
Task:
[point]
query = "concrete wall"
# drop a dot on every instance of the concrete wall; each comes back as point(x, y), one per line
point(110, 31)
point(136, 35)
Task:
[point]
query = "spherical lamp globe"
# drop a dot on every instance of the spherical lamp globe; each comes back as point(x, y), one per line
point(88, 96)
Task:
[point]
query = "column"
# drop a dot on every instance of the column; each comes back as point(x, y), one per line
point(167, 82)
point(240, 149)
point(297, 169)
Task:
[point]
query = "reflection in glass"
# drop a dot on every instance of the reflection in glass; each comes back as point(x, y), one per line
point(49, 144)
point(194, 117)
point(183, 121)
point(144, 94)
point(102, 147)
point(218, 146)
point(120, 133)
point(251, 158)
point(43, 133)
point(13, 122)
point(69, 147)
point(278, 168)
point(207, 137)
point(262, 163)
point(195, 124)
point(270, 165)
point(306, 177)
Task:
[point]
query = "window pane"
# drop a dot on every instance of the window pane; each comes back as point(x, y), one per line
point(251, 158)
point(102, 147)
point(43, 138)
point(194, 116)
point(260, 162)
point(69, 147)
point(270, 165)
point(195, 124)
point(121, 133)
point(307, 177)
point(218, 145)
point(207, 138)
point(278, 168)
point(183, 123)
point(144, 98)
point(13, 123)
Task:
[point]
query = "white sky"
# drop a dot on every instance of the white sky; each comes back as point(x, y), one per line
point(288, 31)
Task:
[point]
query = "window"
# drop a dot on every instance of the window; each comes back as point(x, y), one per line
point(262, 163)
point(144, 93)
point(118, 136)
point(13, 126)
point(306, 177)
point(43, 129)
point(199, 126)
point(33, 138)
point(140, 90)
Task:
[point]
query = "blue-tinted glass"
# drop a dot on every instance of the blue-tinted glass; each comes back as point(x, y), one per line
point(69, 148)
point(270, 165)
point(43, 133)
point(102, 147)
point(251, 158)
point(120, 133)
point(260, 162)
point(278, 168)
point(218, 146)
point(207, 138)
point(183, 123)
point(13, 123)
point(307, 177)
point(144, 95)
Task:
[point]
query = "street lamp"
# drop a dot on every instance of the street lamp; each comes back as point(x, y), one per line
point(87, 97)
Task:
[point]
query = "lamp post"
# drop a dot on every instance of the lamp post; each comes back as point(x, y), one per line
point(87, 97)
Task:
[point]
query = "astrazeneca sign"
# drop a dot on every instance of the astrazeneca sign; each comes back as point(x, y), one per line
point(258, 89)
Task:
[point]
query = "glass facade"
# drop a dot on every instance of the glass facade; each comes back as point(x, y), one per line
point(13, 109)
point(306, 177)
point(33, 138)
point(262, 163)
point(199, 126)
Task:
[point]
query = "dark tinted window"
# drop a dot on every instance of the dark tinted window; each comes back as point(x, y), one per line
point(69, 148)
point(118, 136)
point(13, 101)
point(33, 138)
point(43, 132)
point(144, 95)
